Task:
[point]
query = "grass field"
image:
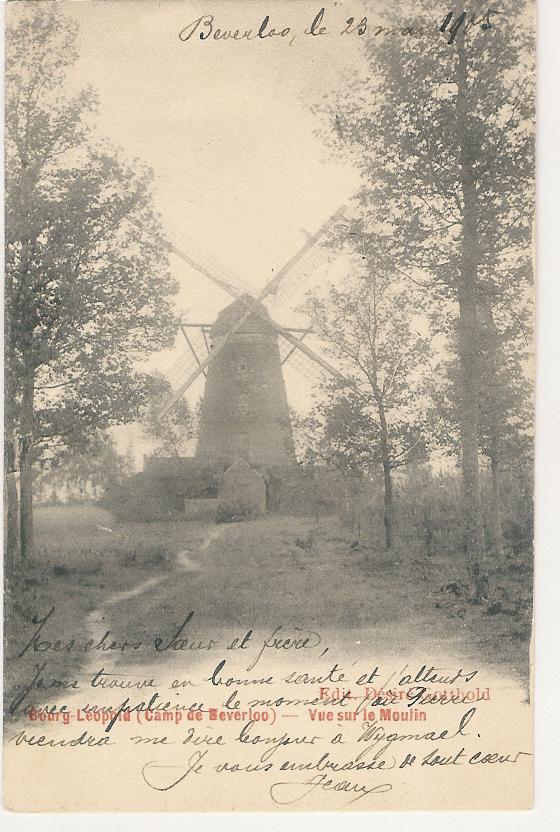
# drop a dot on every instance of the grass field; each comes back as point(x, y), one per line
point(256, 573)
point(79, 559)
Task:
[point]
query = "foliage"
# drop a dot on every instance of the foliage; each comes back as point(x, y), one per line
point(75, 475)
point(172, 433)
point(505, 400)
point(368, 328)
point(441, 128)
point(399, 124)
point(87, 293)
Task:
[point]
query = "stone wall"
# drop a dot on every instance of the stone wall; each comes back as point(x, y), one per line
point(241, 492)
point(162, 490)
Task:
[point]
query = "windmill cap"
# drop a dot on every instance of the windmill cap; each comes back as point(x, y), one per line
point(232, 314)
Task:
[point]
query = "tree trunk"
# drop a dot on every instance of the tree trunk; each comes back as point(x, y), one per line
point(11, 493)
point(388, 512)
point(356, 510)
point(468, 343)
point(26, 462)
point(496, 513)
point(11, 463)
point(495, 436)
point(388, 505)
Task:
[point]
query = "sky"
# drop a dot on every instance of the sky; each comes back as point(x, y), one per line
point(240, 172)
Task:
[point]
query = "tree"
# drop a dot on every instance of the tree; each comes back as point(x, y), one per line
point(172, 433)
point(377, 421)
point(504, 406)
point(84, 474)
point(441, 127)
point(87, 293)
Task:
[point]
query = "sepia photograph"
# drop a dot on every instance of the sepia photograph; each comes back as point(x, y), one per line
point(269, 405)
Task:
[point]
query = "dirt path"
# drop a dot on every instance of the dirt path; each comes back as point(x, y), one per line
point(284, 572)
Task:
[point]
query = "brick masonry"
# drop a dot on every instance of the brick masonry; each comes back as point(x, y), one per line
point(244, 411)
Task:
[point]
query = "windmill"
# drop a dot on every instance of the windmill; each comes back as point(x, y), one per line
point(244, 411)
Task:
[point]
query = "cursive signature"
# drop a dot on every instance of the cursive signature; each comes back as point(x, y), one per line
point(291, 791)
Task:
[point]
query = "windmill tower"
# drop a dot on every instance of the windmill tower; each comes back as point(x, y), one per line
point(245, 409)
point(244, 422)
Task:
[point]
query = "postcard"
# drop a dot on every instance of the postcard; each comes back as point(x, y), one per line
point(268, 487)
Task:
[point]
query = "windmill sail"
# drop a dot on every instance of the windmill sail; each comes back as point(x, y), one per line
point(253, 307)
